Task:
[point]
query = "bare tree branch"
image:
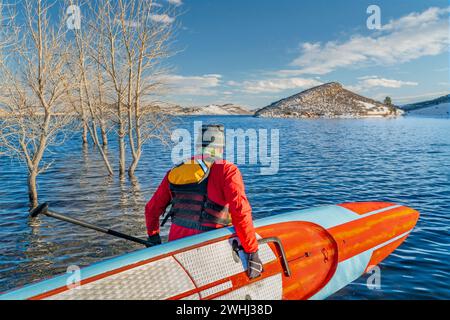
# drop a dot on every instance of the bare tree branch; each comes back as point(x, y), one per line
point(35, 81)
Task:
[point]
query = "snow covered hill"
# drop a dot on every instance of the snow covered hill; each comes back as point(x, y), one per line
point(329, 100)
point(439, 107)
point(440, 110)
point(212, 109)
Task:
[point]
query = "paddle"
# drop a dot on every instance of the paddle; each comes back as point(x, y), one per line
point(43, 209)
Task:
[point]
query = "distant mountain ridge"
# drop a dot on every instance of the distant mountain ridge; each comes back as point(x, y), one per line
point(212, 109)
point(330, 100)
point(427, 104)
point(439, 107)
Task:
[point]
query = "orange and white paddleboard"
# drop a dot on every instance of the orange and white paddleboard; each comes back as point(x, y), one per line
point(319, 251)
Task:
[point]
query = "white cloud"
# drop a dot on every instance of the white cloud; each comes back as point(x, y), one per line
point(371, 82)
point(204, 85)
point(163, 18)
point(415, 19)
point(273, 85)
point(212, 75)
point(402, 40)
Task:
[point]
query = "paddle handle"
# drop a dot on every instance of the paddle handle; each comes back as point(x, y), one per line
point(43, 209)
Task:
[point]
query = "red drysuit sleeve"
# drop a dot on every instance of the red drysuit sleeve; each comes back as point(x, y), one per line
point(240, 209)
point(157, 206)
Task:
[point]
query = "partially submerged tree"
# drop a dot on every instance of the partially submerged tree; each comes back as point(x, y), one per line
point(132, 38)
point(35, 82)
point(107, 52)
point(103, 114)
point(108, 73)
point(84, 72)
point(146, 42)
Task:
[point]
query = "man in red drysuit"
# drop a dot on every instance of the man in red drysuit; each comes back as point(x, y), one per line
point(221, 203)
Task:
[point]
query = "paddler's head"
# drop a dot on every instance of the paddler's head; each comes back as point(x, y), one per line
point(213, 140)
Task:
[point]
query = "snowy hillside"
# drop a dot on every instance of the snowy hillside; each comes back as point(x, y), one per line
point(440, 110)
point(439, 107)
point(227, 109)
point(329, 100)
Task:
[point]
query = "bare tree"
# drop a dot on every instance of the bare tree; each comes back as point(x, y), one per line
point(34, 85)
point(84, 70)
point(74, 98)
point(4, 42)
point(146, 43)
point(5, 19)
point(80, 109)
point(130, 40)
point(102, 111)
point(108, 52)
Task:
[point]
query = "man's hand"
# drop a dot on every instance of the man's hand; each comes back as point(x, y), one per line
point(255, 266)
point(154, 240)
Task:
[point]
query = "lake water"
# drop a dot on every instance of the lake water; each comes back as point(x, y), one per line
point(406, 161)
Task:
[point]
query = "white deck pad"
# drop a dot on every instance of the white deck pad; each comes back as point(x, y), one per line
point(157, 280)
point(270, 288)
point(205, 264)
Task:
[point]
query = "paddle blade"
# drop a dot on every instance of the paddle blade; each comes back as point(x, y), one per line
point(42, 208)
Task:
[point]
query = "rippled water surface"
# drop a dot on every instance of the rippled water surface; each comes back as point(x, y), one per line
point(406, 161)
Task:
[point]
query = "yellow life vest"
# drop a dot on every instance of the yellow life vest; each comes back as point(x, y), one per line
point(191, 207)
point(190, 171)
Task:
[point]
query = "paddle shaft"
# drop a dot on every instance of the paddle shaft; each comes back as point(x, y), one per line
point(93, 227)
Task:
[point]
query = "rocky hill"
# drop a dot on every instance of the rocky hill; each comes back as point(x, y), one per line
point(436, 107)
point(225, 110)
point(329, 100)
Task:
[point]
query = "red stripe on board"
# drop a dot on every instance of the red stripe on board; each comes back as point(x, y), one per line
point(363, 234)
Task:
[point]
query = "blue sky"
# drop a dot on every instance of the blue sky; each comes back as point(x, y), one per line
point(254, 52)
